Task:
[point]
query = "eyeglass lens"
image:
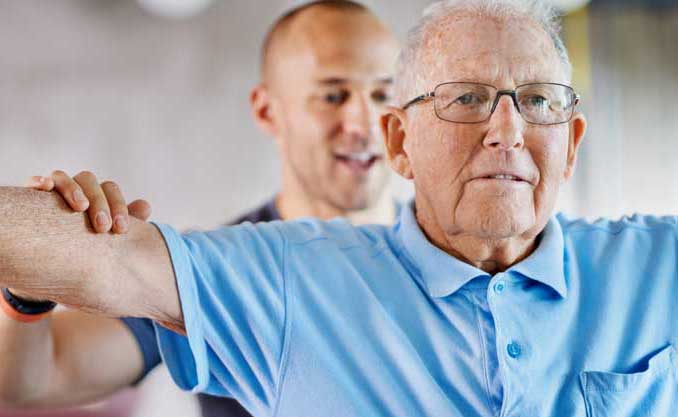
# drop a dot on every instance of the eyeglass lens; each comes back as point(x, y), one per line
point(472, 103)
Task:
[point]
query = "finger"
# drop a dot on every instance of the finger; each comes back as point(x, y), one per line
point(40, 183)
point(99, 212)
point(140, 209)
point(117, 206)
point(70, 191)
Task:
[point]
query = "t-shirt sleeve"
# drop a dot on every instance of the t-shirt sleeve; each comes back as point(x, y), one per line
point(232, 293)
point(144, 333)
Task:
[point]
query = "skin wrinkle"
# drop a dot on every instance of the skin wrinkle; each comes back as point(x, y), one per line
point(51, 207)
point(481, 222)
point(415, 79)
point(40, 226)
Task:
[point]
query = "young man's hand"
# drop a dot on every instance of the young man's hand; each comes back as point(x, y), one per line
point(104, 202)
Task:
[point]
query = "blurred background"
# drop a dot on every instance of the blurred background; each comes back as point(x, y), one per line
point(154, 94)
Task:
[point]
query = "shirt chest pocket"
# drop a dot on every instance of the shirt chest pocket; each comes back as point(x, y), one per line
point(651, 393)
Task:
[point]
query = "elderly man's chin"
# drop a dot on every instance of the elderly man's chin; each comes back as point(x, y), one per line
point(497, 217)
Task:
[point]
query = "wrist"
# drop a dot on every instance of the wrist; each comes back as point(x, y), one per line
point(24, 296)
point(23, 310)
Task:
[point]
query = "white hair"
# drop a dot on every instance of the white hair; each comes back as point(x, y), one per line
point(408, 77)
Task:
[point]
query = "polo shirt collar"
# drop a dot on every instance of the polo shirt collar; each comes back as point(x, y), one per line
point(547, 263)
point(443, 274)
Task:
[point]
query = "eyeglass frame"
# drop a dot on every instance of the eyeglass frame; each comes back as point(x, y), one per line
point(499, 94)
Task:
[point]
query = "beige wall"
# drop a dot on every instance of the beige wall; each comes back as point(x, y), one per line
point(628, 163)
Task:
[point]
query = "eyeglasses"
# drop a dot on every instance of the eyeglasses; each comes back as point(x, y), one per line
point(537, 103)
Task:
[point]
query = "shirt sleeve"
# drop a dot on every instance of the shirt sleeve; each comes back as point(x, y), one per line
point(144, 333)
point(232, 293)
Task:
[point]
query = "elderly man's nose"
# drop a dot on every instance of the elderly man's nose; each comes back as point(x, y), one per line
point(506, 126)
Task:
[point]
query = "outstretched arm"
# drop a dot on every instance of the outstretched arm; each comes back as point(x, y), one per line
point(50, 252)
point(71, 357)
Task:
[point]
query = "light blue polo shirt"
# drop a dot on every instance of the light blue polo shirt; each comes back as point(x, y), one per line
point(324, 319)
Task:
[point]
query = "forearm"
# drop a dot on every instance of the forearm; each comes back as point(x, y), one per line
point(51, 253)
point(26, 350)
point(68, 359)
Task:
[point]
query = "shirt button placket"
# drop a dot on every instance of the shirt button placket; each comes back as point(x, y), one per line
point(515, 354)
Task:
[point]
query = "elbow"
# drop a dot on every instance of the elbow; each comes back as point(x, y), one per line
point(12, 396)
point(17, 399)
point(15, 392)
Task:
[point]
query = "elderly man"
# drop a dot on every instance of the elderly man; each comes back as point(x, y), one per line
point(478, 302)
point(327, 71)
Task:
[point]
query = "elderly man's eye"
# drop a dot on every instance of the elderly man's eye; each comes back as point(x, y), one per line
point(468, 99)
point(536, 101)
point(336, 98)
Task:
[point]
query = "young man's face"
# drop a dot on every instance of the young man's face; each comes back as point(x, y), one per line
point(332, 85)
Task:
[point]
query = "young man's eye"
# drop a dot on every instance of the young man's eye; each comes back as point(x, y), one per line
point(381, 96)
point(338, 97)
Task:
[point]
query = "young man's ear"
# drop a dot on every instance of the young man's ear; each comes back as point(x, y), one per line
point(261, 107)
point(577, 131)
point(392, 124)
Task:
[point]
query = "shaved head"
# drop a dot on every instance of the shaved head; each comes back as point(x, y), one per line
point(283, 36)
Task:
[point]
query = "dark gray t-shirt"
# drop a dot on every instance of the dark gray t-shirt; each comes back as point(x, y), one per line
point(145, 335)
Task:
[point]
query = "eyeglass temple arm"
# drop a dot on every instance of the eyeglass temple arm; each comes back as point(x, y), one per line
point(417, 99)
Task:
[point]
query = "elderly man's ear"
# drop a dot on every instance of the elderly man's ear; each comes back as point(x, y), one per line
point(393, 123)
point(577, 131)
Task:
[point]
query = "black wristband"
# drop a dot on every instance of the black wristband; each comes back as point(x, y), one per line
point(27, 306)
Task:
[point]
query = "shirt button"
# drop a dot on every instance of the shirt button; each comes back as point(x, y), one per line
point(513, 350)
point(499, 287)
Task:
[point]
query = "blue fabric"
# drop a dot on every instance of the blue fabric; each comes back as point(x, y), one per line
point(144, 333)
point(315, 318)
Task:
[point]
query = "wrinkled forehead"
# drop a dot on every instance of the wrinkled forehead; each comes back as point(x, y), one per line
point(504, 52)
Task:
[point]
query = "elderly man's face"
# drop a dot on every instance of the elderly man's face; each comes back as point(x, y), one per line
point(453, 164)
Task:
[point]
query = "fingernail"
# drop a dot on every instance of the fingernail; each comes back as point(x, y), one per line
point(120, 223)
point(102, 219)
point(79, 196)
point(41, 180)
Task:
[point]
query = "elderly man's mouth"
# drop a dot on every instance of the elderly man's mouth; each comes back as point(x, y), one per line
point(502, 179)
point(357, 162)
